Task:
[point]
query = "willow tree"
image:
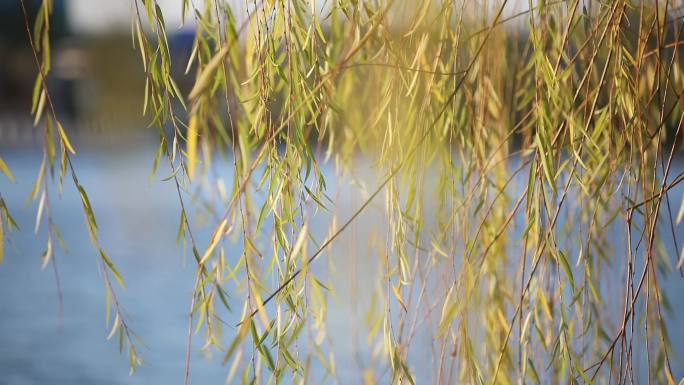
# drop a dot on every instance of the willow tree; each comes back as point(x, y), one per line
point(543, 139)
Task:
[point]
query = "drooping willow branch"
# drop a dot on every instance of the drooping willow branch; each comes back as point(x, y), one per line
point(506, 152)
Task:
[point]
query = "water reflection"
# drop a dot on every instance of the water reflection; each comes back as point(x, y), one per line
point(138, 219)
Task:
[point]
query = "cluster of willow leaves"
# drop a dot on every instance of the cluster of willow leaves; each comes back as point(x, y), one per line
point(542, 132)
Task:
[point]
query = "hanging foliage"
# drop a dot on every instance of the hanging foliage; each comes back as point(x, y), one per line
point(523, 162)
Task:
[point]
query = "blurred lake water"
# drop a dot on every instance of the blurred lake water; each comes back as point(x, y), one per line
point(138, 221)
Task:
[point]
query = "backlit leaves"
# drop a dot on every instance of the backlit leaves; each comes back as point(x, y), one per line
point(512, 168)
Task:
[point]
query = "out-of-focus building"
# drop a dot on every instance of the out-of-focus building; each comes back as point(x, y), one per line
point(17, 67)
point(97, 79)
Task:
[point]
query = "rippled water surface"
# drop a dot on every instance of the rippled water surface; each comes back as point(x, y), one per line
point(138, 220)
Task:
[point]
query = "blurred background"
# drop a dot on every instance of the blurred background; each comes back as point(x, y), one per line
point(97, 78)
point(97, 82)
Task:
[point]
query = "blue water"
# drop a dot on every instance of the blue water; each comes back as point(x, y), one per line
point(138, 220)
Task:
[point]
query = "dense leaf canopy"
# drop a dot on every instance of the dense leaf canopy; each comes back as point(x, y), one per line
point(521, 160)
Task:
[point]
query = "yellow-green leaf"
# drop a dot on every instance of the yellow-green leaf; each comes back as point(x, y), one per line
point(215, 238)
point(112, 268)
point(65, 138)
point(192, 145)
point(207, 73)
point(5, 170)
